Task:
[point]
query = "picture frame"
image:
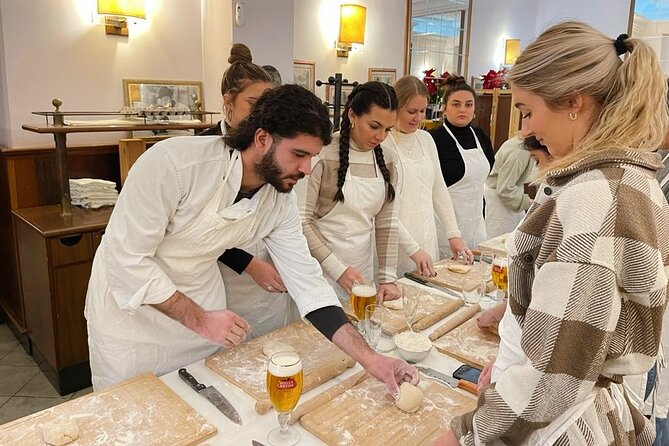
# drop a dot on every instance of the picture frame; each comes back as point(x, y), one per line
point(385, 75)
point(477, 82)
point(304, 74)
point(164, 100)
point(345, 91)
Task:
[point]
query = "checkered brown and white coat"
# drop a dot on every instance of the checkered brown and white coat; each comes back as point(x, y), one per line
point(588, 288)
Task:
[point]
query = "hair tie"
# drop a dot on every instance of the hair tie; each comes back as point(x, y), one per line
point(619, 44)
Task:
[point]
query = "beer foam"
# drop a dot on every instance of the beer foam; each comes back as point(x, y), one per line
point(364, 290)
point(284, 364)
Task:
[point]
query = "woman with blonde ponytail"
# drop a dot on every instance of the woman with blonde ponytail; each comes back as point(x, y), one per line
point(587, 266)
point(349, 214)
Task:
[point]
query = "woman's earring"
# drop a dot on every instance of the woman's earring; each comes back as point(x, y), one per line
point(573, 116)
point(352, 124)
point(474, 116)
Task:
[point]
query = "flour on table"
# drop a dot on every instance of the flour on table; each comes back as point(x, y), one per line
point(271, 347)
point(396, 304)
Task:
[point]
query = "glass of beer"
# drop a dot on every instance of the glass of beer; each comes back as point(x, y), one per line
point(363, 293)
point(500, 275)
point(284, 387)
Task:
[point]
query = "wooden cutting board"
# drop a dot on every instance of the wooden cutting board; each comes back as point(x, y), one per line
point(469, 344)
point(452, 280)
point(495, 245)
point(246, 366)
point(428, 305)
point(366, 415)
point(139, 411)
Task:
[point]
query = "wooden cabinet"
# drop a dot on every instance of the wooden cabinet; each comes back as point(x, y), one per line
point(496, 115)
point(55, 256)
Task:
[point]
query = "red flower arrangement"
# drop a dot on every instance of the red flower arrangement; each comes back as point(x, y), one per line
point(495, 79)
point(435, 85)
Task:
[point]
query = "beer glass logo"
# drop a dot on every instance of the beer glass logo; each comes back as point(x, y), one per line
point(286, 383)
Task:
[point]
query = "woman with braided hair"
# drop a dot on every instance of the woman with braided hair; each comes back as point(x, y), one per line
point(349, 212)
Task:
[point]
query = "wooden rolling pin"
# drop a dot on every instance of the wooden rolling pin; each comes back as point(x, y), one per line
point(326, 396)
point(457, 320)
point(327, 370)
point(438, 314)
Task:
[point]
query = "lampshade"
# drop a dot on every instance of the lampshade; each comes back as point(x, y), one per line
point(511, 51)
point(352, 23)
point(125, 8)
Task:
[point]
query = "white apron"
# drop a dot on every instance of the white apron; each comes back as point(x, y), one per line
point(467, 196)
point(499, 219)
point(348, 229)
point(123, 344)
point(416, 211)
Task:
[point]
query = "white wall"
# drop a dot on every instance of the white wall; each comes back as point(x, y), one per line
point(317, 26)
point(492, 23)
point(216, 40)
point(268, 32)
point(609, 16)
point(53, 50)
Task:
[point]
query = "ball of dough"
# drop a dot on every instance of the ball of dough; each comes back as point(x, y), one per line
point(60, 432)
point(396, 304)
point(272, 347)
point(460, 269)
point(410, 399)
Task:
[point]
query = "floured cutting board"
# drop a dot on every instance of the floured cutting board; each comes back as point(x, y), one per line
point(246, 366)
point(139, 411)
point(451, 279)
point(469, 344)
point(495, 245)
point(366, 415)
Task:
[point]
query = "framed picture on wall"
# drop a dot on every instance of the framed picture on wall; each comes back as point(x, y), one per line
point(385, 75)
point(345, 91)
point(304, 74)
point(477, 82)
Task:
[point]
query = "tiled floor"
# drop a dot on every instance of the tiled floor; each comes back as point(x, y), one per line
point(23, 387)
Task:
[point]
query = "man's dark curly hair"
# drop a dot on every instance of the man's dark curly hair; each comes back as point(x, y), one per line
point(286, 111)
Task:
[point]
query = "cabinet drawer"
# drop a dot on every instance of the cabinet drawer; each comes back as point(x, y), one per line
point(70, 249)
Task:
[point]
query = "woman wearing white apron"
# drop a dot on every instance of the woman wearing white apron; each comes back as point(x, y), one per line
point(255, 290)
point(505, 199)
point(422, 193)
point(349, 212)
point(587, 277)
point(466, 157)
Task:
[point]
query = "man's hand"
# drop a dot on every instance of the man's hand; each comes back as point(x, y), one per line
point(423, 263)
point(219, 326)
point(387, 291)
point(265, 275)
point(348, 277)
point(448, 438)
point(391, 371)
point(222, 327)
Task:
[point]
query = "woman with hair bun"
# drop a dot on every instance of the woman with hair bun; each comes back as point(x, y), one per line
point(588, 264)
point(421, 188)
point(349, 213)
point(251, 280)
point(466, 157)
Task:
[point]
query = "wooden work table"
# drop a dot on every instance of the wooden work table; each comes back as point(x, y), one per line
point(55, 255)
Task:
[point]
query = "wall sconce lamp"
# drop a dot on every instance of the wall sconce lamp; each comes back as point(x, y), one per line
point(116, 13)
point(511, 51)
point(351, 28)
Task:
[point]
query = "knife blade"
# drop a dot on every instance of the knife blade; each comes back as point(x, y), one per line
point(448, 380)
point(423, 281)
point(212, 395)
point(256, 443)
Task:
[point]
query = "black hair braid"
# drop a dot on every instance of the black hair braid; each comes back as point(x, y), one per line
point(344, 134)
point(390, 192)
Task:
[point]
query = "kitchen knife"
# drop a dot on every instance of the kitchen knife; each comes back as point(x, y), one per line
point(256, 443)
point(212, 395)
point(448, 380)
point(423, 281)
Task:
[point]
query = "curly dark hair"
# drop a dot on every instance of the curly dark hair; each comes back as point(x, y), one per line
point(361, 100)
point(285, 112)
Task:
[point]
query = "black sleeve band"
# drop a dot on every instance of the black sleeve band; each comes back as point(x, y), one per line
point(328, 320)
point(236, 259)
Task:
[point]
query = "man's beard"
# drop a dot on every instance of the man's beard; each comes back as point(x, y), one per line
point(270, 172)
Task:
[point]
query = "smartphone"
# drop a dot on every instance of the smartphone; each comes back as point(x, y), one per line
point(467, 373)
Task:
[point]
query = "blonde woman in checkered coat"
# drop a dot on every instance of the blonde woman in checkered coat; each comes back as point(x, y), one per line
point(588, 265)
